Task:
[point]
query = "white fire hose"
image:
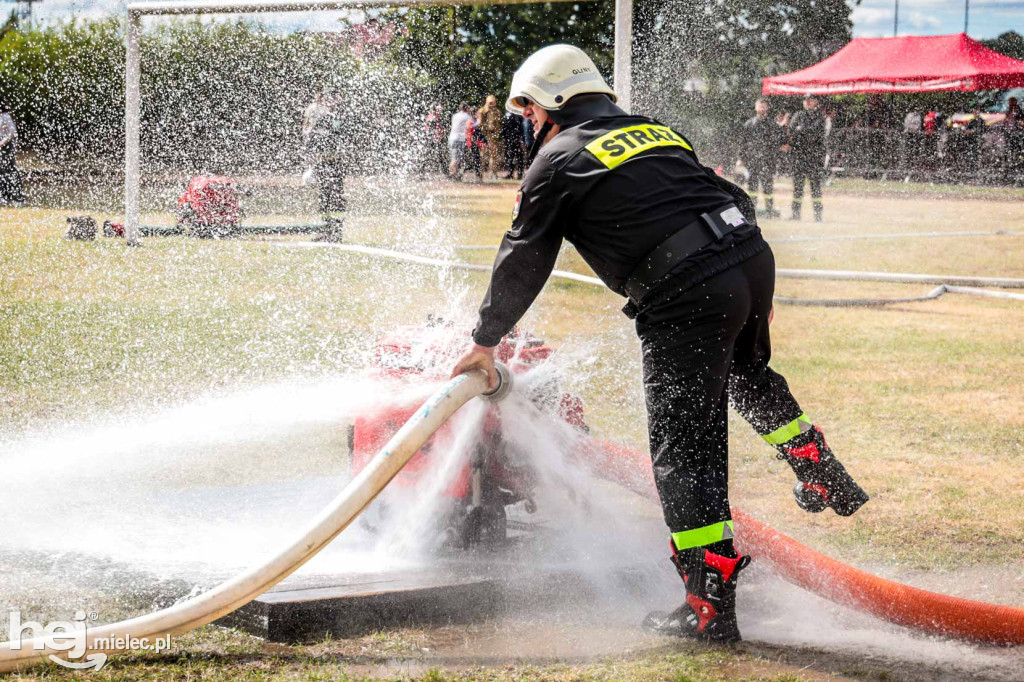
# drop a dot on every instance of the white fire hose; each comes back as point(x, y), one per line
point(240, 590)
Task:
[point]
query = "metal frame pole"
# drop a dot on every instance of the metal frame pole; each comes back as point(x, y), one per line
point(132, 112)
point(624, 52)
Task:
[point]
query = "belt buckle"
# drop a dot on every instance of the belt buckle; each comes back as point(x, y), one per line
point(711, 223)
point(728, 218)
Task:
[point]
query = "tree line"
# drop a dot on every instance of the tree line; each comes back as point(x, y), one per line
point(228, 96)
point(216, 97)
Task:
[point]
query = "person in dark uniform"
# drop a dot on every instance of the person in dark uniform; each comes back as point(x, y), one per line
point(682, 244)
point(512, 139)
point(761, 142)
point(325, 143)
point(11, 191)
point(807, 137)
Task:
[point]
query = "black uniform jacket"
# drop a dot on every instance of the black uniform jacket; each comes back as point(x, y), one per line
point(807, 130)
point(615, 186)
point(762, 138)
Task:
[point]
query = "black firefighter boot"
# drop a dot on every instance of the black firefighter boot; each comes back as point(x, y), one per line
point(709, 612)
point(822, 480)
point(795, 215)
point(334, 227)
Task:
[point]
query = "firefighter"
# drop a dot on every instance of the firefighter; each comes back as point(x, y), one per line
point(807, 137)
point(761, 142)
point(682, 244)
point(326, 139)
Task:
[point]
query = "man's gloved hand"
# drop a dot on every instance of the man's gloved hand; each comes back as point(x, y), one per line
point(478, 357)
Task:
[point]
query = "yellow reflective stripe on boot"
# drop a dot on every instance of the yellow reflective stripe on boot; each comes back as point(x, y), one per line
point(698, 537)
point(789, 431)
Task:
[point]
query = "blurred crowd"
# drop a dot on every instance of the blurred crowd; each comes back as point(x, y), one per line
point(818, 140)
point(926, 144)
point(966, 142)
point(484, 141)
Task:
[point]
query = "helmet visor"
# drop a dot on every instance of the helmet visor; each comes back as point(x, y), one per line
point(516, 103)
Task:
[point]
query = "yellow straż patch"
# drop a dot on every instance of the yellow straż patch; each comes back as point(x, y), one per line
point(613, 148)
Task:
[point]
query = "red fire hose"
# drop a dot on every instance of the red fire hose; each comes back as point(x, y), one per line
point(922, 610)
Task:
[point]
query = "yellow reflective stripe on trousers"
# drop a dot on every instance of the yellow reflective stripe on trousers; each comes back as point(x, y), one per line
point(698, 537)
point(613, 148)
point(789, 431)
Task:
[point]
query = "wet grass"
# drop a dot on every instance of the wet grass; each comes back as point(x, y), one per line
point(896, 186)
point(216, 654)
point(922, 401)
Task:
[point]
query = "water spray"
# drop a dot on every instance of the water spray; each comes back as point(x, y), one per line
point(240, 590)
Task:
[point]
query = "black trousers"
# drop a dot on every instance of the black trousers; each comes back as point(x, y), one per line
point(762, 177)
point(811, 169)
point(330, 177)
point(702, 348)
point(515, 158)
point(10, 178)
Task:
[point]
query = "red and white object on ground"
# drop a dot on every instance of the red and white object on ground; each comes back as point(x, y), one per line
point(210, 207)
point(492, 475)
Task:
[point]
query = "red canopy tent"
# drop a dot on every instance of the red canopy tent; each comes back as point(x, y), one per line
point(905, 64)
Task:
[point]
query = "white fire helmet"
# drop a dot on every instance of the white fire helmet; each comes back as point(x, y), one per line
point(552, 75)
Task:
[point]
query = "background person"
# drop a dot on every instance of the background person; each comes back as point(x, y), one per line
point(434, 135)
point(807, 138)
point(512, 141)
point(761, 142)
point(325, 144)
point(528, 139)
point(11, 191)
point(476, 145)
point(491, 119)
point(683, 245)
point(912, 124)
point(784, 165)
point(1013, 137)
point(457, 140)
point(973, 135)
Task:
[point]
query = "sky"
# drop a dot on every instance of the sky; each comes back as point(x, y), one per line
point(988, 18)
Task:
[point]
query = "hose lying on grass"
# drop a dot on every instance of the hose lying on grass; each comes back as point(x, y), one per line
point(942, 289)
point(876, 302)
point(915, 608)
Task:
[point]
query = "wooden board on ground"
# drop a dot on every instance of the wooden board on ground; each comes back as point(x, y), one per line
point(310, 608)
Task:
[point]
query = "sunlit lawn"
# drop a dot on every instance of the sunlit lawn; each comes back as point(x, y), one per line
point(924, 401)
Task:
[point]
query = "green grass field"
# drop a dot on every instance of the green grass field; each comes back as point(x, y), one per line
point(924, 402)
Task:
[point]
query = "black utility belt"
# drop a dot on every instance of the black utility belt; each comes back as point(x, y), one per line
point(707, 229)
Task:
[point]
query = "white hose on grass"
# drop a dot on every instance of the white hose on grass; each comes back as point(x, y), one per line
point(903, 278)
point(849, 237)
point(942, 289)
point(901, 235)
point(240, 590)
point(859, 302)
